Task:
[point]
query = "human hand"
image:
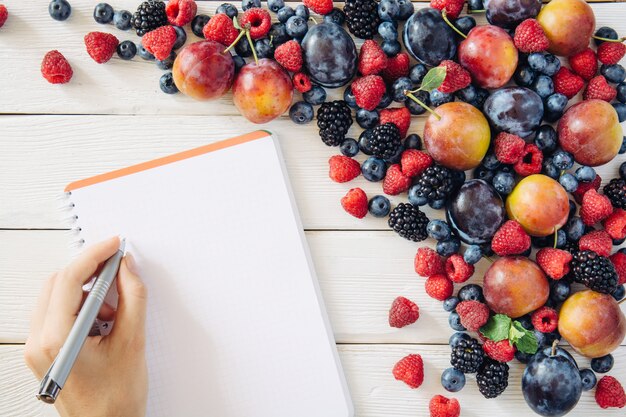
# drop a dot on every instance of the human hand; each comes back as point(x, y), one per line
point(110, 377)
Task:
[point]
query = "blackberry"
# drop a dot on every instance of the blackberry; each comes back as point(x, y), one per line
point(149, 15)
point(362, 18)
point(385, 140)
point(594, 271)
point(492, 378)
point(615, 190)
point(435, 183)
point(334, 119)
point(467, 356)
point(409, 222)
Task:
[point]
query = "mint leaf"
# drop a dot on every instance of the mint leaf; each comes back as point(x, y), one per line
point(433, 79)
point(497, 328)
point(516, 332)
point(524, 340)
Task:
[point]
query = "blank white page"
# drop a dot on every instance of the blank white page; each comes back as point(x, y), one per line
point(236, 324)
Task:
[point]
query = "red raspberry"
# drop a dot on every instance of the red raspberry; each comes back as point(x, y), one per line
point(302, 82)
point(180, 12)
point(101, 46)
point(545, 319)
point(584, 64)
point(456, 78)
point(439, 287)
point(258, 20)
point(501, 351)
point(289, 55)
point(410, 370)
point(599, 88)
point(611, 52)
point(55, 68)
point(615, 224)
point(618, 259)
point(415, 162)
point(567, 83)
point(368, 91)
point(509, 148)
point(220, 29)
point(530, 37)
point(554, 262)
point(598, 241)
point(457, 269)
point(160, 41)
point(453, 7)
point(441, 406)
point(4, 14)
point(372, 59)
point(399, 116)
point(510, 239)
point(397, 66)
point(473, 314)
point(428, 262)
point(595, 207)
point(583, 187)
point(319, 6)
point(403, 312)
point(395, 181)
point(610, 393)
point(355, 203)
point(530, 162)
point(343, 169)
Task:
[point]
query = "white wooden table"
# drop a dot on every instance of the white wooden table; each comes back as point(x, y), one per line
point(114, 115)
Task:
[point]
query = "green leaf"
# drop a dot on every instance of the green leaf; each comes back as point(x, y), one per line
point(516, 332)
point(524, 340)
point(433, 79)
point(497, 328)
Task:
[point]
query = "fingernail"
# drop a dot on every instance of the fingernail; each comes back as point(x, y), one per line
point(130, 263)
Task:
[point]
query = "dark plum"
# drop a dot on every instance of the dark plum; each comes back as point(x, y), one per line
point(428, 38)
point(515, 110)
point(510, 13)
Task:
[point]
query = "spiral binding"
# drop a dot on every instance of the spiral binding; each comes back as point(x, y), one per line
point(71, 219)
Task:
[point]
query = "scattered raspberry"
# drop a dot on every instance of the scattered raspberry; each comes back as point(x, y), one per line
point(319, 6)
point(101, 46)
point(403, 312)
point(180, 12)
point(618, 259)
point(584, 64)
point(510, 239)
point(289, 55)
point(453, 7)
point(343, 169)
point(372, 59)
point(610, 53)
point(220, 29)
point(530, 162)
point(509, 148)
point(258, 20)
point(456, 78)
point(457, 269)
point(4, 14)
point(610, 393)
point(530, 37)
point(439, 287)
point(55, 68)
point(428, 262)
point(399, 116)
point(415, 162)
point(615, 224)
point(567, 83)
point(545, 319)
point(355, 203)
point(595, 207)
point(554, 262)
point(368, 91)
point(410, 370)
point(302, 82)
point(501, 351)
point(598, 241)
point(599, 88)
point(397, 66)
point(583, 187)
point(473, 314)
point(441, 406)
point(160, 41)
point(395, 181)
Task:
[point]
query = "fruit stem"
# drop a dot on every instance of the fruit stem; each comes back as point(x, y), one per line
point(619, 40)
point(470, 11)
point(489, 259)
point(556, 237)
point(256, 59)
point(445, 18)
point(237, 39)
point(621, 301)
point(556, 342)
point(313, 19)
point(410, 95)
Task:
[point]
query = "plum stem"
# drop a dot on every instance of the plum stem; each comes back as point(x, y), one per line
point(489, 259)
point(256, 59)
point(556, 237)
point(600, 38)
point(410, 95)
point(237, 39)
point(470, 11)
point(444, 14)
point(556, 342)
point(621, 301)
point(313, 19)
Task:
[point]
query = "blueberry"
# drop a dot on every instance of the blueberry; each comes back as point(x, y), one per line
point(181, 37)
point(547, 168)
point(143, 52)
point(243, 48)
point(471, 292)
point(379, 206)
point(438, 230)
point(452, 380)
point(264, 48)
point(391, 48)
point(618, 242)
point(467, 94)
point(364, 142)
point(618, 294)
point(278, 34)
point(503, 182)
point(450, 303)
point(198, 23)
point(523, 357)
point(562, 160)
point(315, 96)
point(588, 379)
point(59, 9)
point(348, 97)
point(167, 83)
point(622, 171)
point(584, 173)
point(413, 141)
point(395, 158)
point(483, 173)
point(168, 62)
point(367, 119)
point(621, 92)
point(228, 9)
point(465, 24)
point(524, 75)
point(275, 5)
point(336, 16)
point(385, 101)
point(622, 149)
point(569, 182)
point(285, 13)
point(103, 13)
point(127, 50)
point(572, 209)
point(415, 108)
point(553, 65)
point(602, 364)
point(349, 147)
point(457, 337)
point(458, 178)
point(415, 199)
point(374, 169)
point(301, 112)
point(620, 108)
point(537, 62)
point(417, 73)
point(388, 31)
point(472, 254)
point(490, 162)
point(239, 62)
point(543, 86)
point(448, 247)
point(559, 290)
point(574, 229)
point(613, 73)
point(437, 98)
point(481, 96)
point(454, 320)
point(121, 19)
point(475, 5)
point(605, 32)
point(388, 10)
point(554, 107)
point(399, 89)
point(249, 4)
point(296, 26)
point(406, 9)
point(526, 322)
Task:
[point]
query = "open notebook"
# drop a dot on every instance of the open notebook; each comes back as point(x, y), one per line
point(236, 324)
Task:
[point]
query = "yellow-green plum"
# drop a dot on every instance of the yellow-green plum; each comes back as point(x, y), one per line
point(460, 139)
point(568, 24)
